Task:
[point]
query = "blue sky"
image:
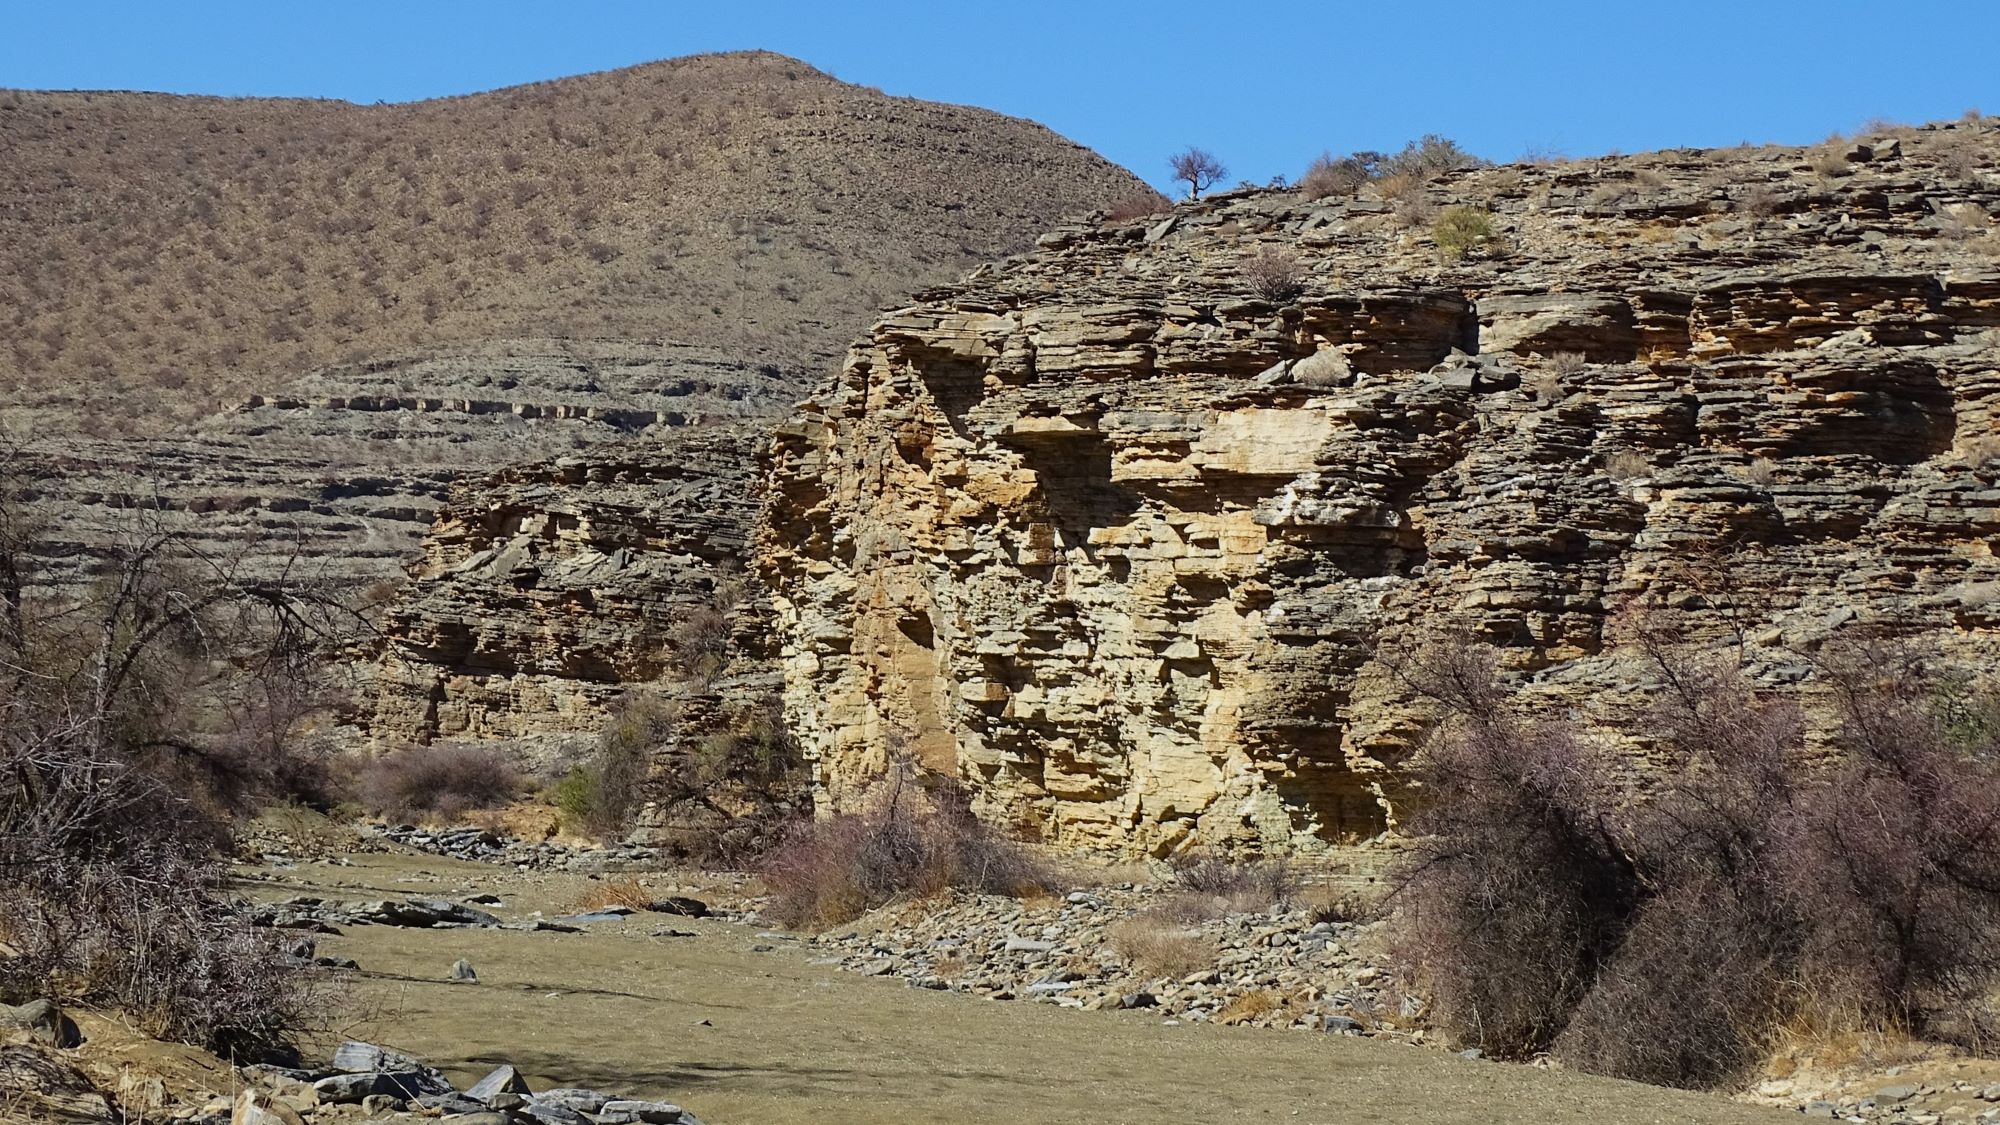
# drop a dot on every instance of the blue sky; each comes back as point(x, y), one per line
point(1263, 85)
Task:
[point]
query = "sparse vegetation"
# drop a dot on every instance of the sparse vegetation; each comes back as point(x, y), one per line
point(598, 797)
point(1627, 464)
point(1198, 169)
point(437, 783)
point(1139, 207)
point(238, 244)
point(1760, 886)
point(1335, 175)
point(1156, 947)
point(911, 842)
point(1275, 275)
point(128, 714)
point(1463, 230)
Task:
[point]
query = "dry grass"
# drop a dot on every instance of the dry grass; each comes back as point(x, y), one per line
point(617, 890)
point(1257, 1002)
point(1628, 464)
point(159, 254)
point(1162, 951)
point(1324, 902)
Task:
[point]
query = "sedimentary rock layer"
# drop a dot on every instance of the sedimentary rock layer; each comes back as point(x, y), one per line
point(1136, 551)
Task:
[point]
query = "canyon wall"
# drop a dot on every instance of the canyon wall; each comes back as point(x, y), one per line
point(1133, 538)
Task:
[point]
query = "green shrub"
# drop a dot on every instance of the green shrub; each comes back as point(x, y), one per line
point(598, 796)
point(1461, 230)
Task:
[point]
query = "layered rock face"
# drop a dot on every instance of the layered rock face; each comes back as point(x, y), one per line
point(1137, 552)
point(544, 590)
point(339, 478)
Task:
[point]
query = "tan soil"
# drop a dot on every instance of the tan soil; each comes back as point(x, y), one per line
point(786, 1041)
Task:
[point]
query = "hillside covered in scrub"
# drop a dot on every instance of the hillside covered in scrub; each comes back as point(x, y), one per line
point(160, 255)
point(1136, 535)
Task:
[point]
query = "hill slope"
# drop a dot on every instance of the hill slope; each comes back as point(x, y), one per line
point(162, 255)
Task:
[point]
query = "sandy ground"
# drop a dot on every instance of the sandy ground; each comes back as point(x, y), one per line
point(743, 1037)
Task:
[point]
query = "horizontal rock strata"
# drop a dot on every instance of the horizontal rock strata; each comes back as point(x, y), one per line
point(1135, 552)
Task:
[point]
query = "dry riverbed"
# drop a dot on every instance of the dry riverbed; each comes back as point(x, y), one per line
point(745, 1030)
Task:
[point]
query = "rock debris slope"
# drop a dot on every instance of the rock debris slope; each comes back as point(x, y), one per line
point(1133, 549)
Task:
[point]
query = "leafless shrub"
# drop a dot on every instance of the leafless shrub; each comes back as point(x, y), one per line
point(1761, 886)
point(1568, 363)
point(1761, 471)
point(1139, 207)
point(437, 782)
point(1516, 889)
point(912, 842)
point(1241, 884)
point(121, 711)
point(1429, 157)
point(1335, 175)
point(1274, 275)
point(1760, 200)
point(1627, 464)
point(699, 640)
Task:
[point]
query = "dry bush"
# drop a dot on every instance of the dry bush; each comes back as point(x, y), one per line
point(111, 896)
point(1139, 207)
point(1760, 200)
point(440, 783)
point(1158, 950)
point(1760, 888)
point(1829, 162)
point(1241, 885)
point(1274, 275)
point(1761, 471)
point(1345, 905)
point(1250, 1005)
point(1627, 464)
point(1335, 175)
point(132, 715)
point(699, 639)
point(599, 796)
point(1429, 157)
point(912, 842)
point(1516, 888)
point(1566, 364)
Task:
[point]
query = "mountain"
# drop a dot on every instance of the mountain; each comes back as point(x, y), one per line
point(161, 256)
point(293, 325)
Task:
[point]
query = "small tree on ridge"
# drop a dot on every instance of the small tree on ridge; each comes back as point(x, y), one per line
point(1198, 169)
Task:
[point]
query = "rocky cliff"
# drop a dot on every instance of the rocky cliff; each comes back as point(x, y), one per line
point(1131, 533)
point(546, 589)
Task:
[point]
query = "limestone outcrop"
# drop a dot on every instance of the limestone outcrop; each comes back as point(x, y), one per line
point(544, 590)
point(1136, 552)
point(339, 477)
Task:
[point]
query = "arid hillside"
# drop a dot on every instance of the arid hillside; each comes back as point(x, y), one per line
point(161, 256)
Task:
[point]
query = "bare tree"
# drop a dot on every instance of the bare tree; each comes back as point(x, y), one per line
point(134, 710)
point(1198, 169)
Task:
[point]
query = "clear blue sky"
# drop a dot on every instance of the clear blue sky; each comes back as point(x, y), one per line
point(1263, 85)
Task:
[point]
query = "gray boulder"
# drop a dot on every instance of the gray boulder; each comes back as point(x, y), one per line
point(504, 1079)
point(43, 1020)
